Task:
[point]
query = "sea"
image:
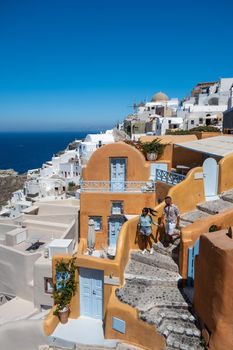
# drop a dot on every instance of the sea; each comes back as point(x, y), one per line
point(22, 151)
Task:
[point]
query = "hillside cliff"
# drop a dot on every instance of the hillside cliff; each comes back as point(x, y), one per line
point(10, 181)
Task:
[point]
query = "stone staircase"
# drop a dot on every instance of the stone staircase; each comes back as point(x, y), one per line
point(225, 202)
point(152, 285)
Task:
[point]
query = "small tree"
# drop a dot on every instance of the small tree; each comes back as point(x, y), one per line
point(65, 288)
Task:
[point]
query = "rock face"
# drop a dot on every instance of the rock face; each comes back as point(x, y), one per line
point(10, 181)
point(152, 286)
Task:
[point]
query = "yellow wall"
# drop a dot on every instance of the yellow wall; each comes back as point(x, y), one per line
point(100, 204)
point(213, 289)
point(225, 173)
point(192, 232)
point(137, 332)
point(98, 167)
point(175, 155)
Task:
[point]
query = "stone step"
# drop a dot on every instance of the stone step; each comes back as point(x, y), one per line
point(167, 327)
point(183, 342)
point(227, 196)
point(215, 207)
point(157, 260)
point(158, 315)
point(150, 275)
point(193, 216)
point(145, 297)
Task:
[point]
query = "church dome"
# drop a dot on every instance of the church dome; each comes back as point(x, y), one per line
point(160, 96)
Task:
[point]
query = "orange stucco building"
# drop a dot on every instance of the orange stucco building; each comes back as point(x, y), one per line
point(101, 189)
point(115, 184)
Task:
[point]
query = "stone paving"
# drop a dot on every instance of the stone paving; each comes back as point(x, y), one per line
point(215, 207)
point(192, 216)
point(152, 286)
point(227, 196)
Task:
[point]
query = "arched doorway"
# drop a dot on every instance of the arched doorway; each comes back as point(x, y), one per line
point(210, 172)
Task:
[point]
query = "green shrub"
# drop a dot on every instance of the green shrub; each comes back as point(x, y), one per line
point(205, 129)
point(66, 289)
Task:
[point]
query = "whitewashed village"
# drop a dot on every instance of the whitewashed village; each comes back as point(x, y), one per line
point(75, 270)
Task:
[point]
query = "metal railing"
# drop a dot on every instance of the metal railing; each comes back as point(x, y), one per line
point(117, 186)
point(168, 177)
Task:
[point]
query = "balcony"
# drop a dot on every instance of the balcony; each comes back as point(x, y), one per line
point(118, 186)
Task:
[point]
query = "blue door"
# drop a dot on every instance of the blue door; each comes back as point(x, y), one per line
point(192, 253)
point(118, 174)
point(91, 293)
point(114, 227)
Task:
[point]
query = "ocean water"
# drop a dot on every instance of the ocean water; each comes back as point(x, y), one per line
point(22, 151)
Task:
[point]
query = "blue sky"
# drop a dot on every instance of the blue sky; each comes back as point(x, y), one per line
point(77, 65)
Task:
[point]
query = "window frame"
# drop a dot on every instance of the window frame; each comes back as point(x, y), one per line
point(122, 207)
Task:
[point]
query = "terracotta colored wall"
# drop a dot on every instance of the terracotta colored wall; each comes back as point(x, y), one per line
point(188, 193)
point(213, 288)
point(176, 155)
point(225, 173)
point(205, 135)
point(162, 190)
point(138, 332)
point(98, 168)
point(192, 232)
point(183, 156)
point(99, 204)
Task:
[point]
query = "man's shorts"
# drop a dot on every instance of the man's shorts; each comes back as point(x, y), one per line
point(169, 228)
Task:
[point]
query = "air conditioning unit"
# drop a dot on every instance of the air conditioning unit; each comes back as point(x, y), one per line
point(61, 246)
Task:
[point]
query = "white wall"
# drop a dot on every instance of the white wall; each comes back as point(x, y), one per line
point(16, 272)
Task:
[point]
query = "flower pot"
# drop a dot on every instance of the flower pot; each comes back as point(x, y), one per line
point(64, 314)
point(151, 156)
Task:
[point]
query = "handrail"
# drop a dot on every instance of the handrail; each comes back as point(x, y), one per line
point(168, 177)
point(117, 186)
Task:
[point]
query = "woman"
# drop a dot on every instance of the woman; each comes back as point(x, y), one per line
point(144, 224)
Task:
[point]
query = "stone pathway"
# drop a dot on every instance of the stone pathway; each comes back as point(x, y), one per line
point(225, 202)
point(152, 286)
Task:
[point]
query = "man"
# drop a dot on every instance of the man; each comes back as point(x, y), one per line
point(172, 219)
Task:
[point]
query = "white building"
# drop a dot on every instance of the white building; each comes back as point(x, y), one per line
point(153, 117)
point(92, 142)
point(25, 267)
point(65, 168)
point(207, 104)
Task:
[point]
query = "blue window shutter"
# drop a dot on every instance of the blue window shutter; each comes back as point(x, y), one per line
point(118, 325)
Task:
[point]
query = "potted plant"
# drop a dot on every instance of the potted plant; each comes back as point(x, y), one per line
point(152, 150)
point(64, 288)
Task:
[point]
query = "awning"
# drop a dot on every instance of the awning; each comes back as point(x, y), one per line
point(219, 146)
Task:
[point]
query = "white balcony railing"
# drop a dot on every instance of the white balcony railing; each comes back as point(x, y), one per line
point(117, 186)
